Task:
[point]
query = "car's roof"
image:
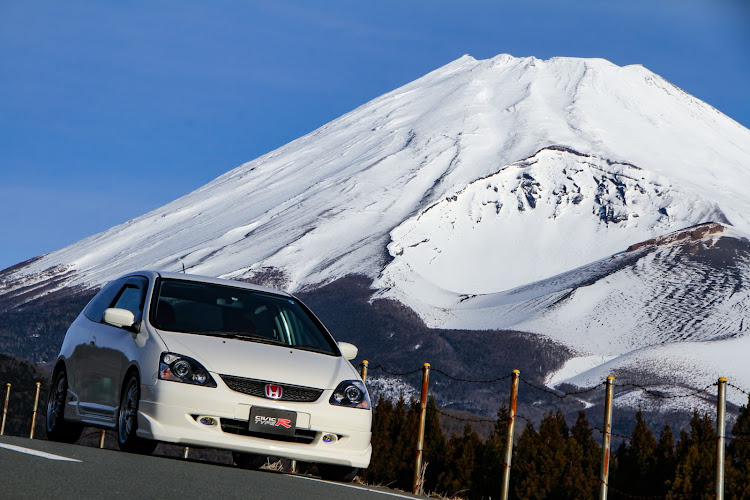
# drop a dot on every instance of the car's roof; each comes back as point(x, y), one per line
point(208, 279)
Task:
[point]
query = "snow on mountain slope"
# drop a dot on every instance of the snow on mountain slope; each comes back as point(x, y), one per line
point(324, 205)
point(675, 369)
point(673, 374)
point(677, 306)
point(688, 285)
point(498, 233)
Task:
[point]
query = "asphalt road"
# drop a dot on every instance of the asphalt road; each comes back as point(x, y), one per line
point(38, 469)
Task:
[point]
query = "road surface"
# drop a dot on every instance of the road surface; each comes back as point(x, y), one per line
point(37, 469)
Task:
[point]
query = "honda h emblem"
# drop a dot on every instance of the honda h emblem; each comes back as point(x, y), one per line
point(273, 391)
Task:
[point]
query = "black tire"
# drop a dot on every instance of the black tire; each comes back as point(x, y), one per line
point(248, 460)
point(339, 473)
point(127, 419)
point(56, 426)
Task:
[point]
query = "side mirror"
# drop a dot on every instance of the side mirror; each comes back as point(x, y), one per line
point(121, 318)
point(349, 351)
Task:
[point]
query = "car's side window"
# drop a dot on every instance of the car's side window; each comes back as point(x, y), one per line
point(95, 309)
point(131, 297)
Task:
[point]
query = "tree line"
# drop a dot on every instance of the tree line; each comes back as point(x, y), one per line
point(554, 460)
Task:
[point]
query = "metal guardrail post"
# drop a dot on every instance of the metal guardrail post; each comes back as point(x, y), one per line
point(363, 372)
point(36, 406)
point(721, 408)
point(5, 408)
point(509, 438)
point(606, 437)
point(418, 479)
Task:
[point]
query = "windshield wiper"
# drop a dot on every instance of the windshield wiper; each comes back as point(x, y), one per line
point(312, 348)
point(218, 333)
point(253, 337)
point(266, 340)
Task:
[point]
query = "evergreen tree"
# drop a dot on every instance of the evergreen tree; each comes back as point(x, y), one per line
point(695, 474)
point(434, 446)
point(666, 460)
point(636, 472)
point(406, 444)
point(381, 468)
point(393, 445)
point(553, 434)
point(524, 472)
point(462, 454)
point(584, 457)
point(737, 473)
point(489, 471)
point(543, 460)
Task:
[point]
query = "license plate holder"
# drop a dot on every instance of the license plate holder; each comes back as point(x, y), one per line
point(272, 421)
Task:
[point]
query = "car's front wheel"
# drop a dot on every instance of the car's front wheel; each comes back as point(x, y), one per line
point(340, 473)
point(127, 419)
point(57, 428)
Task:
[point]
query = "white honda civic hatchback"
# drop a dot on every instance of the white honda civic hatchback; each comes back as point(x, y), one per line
point(207, 362)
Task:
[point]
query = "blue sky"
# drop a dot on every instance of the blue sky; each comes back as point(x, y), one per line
point(109, 109)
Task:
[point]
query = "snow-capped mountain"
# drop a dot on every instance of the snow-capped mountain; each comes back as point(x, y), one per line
point(470, 195)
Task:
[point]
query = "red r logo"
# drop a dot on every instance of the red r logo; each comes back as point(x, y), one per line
point(284, 422)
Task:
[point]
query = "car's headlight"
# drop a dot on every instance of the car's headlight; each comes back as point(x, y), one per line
point(351, 393)
point(178, 368)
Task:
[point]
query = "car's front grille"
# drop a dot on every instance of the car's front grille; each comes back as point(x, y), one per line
point(258, 388)
point(240, 427)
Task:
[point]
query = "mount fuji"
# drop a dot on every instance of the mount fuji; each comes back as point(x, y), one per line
point(595, 206)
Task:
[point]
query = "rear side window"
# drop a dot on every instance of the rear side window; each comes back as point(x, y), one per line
point(95, 309)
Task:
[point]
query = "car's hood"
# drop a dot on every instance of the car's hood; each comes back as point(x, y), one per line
point(254, 360)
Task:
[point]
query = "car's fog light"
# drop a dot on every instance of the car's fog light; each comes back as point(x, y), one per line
point(330, 438)
point(207, 421)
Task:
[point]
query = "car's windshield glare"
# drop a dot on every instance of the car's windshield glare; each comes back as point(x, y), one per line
point(208, 309)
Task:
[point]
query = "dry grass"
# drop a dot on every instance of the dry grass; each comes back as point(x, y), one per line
point(360, 481)
point(275, 466)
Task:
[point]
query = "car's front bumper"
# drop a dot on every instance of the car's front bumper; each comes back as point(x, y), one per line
point(171, 412)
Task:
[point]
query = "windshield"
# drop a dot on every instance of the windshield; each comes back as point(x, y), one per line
point(224, 311)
